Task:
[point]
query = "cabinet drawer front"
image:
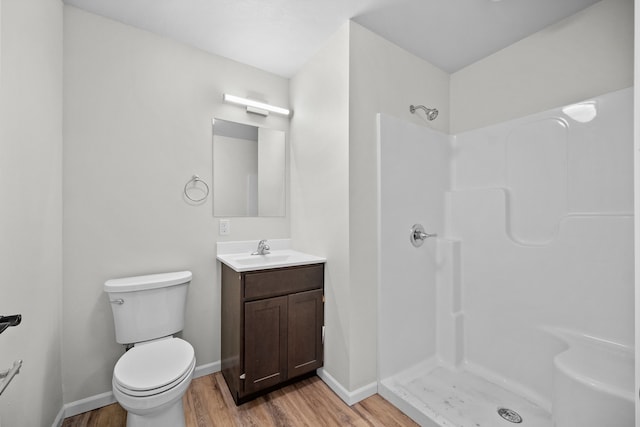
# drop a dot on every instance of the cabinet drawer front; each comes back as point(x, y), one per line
point(265, 284)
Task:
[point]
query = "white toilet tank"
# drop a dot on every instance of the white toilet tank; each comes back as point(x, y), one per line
point(148, 307)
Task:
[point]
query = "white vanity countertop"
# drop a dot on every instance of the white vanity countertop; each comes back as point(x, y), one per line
point(237, 255)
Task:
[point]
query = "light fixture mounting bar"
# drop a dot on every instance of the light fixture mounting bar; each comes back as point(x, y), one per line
point(255, 104)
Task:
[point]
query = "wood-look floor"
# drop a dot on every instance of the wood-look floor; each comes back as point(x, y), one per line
point(308, 402)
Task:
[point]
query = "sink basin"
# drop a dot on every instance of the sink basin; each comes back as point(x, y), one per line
point(275, 259)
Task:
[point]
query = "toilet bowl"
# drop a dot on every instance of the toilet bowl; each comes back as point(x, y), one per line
point(150, 379)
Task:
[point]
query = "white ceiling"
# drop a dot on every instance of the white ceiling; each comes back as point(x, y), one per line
point(279, 36)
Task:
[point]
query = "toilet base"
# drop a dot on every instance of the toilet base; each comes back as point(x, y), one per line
point(172, 416)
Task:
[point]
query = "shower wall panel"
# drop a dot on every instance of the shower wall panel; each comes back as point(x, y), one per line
point(543, 207)
point(414, 174)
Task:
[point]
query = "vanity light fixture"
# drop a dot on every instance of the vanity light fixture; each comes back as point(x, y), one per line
point(255, 107)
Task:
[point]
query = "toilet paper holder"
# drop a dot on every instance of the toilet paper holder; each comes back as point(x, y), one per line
point(7, 375)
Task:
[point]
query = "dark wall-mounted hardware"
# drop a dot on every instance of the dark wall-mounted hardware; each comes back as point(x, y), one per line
point(7, 321)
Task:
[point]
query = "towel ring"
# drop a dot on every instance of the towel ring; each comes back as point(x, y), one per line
point(195, 179)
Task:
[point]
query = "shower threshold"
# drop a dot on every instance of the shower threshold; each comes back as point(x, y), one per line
point(441, 397)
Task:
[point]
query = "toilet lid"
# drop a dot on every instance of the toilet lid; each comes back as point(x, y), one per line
point(154, 365)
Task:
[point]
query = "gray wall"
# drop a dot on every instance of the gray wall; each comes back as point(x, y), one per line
point(319, 190)
point(31, 213)
point(138, 110)
point(587, 54)
point(636, 155)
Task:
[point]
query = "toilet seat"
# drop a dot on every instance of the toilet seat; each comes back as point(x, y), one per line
point(154, 367)
point(158, 390)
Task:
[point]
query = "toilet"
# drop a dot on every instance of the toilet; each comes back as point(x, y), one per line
point(150, 379)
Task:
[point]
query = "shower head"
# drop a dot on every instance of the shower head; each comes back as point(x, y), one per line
point(431, 113)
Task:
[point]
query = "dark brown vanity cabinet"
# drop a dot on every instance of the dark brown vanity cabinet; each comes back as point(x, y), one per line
point(272, 324)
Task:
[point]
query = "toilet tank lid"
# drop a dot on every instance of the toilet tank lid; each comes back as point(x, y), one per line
point(150, 281)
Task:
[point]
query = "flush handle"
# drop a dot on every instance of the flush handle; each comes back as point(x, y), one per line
point(118, 301)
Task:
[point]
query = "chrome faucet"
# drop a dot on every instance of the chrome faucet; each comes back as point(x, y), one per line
point(263, 248)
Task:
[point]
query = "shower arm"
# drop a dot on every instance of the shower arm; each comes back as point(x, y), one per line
point(413, 108)
point(431, 113)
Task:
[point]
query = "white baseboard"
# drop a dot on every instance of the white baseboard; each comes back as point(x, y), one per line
point(349, 397)
point(88, 404)
point(98, 401)
point(207, 369)
point(59, 418)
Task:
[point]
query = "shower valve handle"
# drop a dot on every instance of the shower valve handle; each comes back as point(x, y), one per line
point(421, 236)
point(417, 235)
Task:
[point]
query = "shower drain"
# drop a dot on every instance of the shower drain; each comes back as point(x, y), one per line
point(510, 415)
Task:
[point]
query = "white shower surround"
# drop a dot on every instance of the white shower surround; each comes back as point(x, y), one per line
point(515, 278)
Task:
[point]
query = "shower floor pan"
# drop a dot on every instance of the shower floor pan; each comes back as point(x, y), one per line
point(445, 398)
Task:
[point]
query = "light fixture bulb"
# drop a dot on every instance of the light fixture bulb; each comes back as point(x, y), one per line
point(255, 104)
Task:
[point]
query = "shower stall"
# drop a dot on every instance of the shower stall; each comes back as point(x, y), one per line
point(520, 310)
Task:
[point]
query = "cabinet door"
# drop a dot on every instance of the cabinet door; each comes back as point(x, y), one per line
point(306, 318)
point(265, 343)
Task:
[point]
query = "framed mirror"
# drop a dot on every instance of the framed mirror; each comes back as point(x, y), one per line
point(249, 165)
